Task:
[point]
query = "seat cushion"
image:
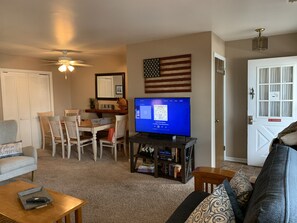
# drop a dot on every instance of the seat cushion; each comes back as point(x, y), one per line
point(185, 209)
point(12, 163)
point(274, 196)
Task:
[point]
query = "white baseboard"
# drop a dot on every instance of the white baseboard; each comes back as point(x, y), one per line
point(234, 159)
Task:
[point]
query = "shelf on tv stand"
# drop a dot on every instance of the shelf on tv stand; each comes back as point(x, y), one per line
point(185, 146)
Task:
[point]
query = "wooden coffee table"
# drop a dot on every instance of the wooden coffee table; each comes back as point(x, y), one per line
point(62, 206)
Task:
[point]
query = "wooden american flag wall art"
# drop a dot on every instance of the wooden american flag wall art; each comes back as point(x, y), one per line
point(167, 74)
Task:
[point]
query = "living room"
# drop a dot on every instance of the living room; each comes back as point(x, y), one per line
point(201, 44)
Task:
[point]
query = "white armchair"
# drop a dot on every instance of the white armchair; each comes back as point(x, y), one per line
point(13, 166)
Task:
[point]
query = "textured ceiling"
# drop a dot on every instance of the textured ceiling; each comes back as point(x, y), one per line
point(99, 27)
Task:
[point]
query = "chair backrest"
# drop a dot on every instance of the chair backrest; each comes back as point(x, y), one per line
point(71, 125)
point(8, 131)
point(43, 118)
point(71, 112)
point(120, 126)
point(56, 126)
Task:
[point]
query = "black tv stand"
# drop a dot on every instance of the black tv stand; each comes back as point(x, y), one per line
point(162, 165)
point(159, 136)
point(164, 137)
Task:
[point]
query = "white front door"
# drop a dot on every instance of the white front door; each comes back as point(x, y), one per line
point(272, 95)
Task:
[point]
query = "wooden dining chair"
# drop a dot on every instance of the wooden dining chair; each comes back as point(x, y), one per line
point(74, 137)
point(44, 126)
point(116, 136)
point(71, 112)
point(57, 133)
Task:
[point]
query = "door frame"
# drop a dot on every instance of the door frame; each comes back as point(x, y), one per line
point(213, 118)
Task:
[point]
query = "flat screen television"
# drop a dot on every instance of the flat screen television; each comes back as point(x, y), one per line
point(168, 116)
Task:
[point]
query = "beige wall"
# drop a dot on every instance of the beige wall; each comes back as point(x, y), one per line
point(83, 80)
point(237, 54)
point(199, 45)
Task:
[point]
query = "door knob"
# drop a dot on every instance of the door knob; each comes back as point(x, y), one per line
point(252, 93)
point(217, 121)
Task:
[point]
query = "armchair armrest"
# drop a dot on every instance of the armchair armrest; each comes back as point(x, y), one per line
point(30, 151)
point(206, 178)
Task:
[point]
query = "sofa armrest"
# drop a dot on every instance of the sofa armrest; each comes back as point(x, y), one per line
point(30, 151)
point(207, 178)
point(184, 210)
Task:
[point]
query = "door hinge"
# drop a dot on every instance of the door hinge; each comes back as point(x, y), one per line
point(224, 147)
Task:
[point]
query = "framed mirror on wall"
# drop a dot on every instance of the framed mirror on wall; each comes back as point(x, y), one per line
point(110, 86)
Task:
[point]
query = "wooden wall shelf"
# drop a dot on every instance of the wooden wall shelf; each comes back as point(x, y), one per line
point(99, 112)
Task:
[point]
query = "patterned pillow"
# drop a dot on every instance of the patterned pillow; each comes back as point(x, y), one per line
point(11, 149)
point(239, 216)
point(242, 187)
point(214, 208)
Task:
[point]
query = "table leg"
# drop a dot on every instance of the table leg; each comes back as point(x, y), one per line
point(78, 215)
point(95, 144)
point(67, 219)
point(132, 164)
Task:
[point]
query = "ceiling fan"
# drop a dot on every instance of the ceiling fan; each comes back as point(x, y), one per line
point(65, 63)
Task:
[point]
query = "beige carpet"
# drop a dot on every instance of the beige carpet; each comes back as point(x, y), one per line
point(113, 193)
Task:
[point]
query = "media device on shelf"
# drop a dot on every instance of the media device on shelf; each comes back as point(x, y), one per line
point(163, 116)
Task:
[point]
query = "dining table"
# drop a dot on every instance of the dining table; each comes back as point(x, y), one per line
point(87, 126)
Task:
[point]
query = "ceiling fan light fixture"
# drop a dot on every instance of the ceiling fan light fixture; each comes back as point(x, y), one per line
point(260, 42)
point(62, 68)
point(70, 68)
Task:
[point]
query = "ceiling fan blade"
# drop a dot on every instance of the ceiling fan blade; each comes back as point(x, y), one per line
point(49, 61)
point(78, 63)
point(82, 65)
point(66, 50)
point(74, 62)
point(66, 60)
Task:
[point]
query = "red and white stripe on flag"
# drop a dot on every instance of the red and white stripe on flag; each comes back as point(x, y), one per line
point(174, 75)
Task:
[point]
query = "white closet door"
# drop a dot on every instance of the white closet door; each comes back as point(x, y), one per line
point(9, 97)
point(24, 94)
point(40, 102)
point(16, 103)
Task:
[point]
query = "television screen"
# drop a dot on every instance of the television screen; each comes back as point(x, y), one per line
point(171, 116)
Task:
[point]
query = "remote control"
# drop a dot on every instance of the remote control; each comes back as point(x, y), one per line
point(34, 200)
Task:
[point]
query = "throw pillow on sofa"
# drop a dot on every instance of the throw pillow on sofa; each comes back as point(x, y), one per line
point(214, 208)
point(11, 149)
point(242, 187)
point(239, 216)
point(290, 139)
